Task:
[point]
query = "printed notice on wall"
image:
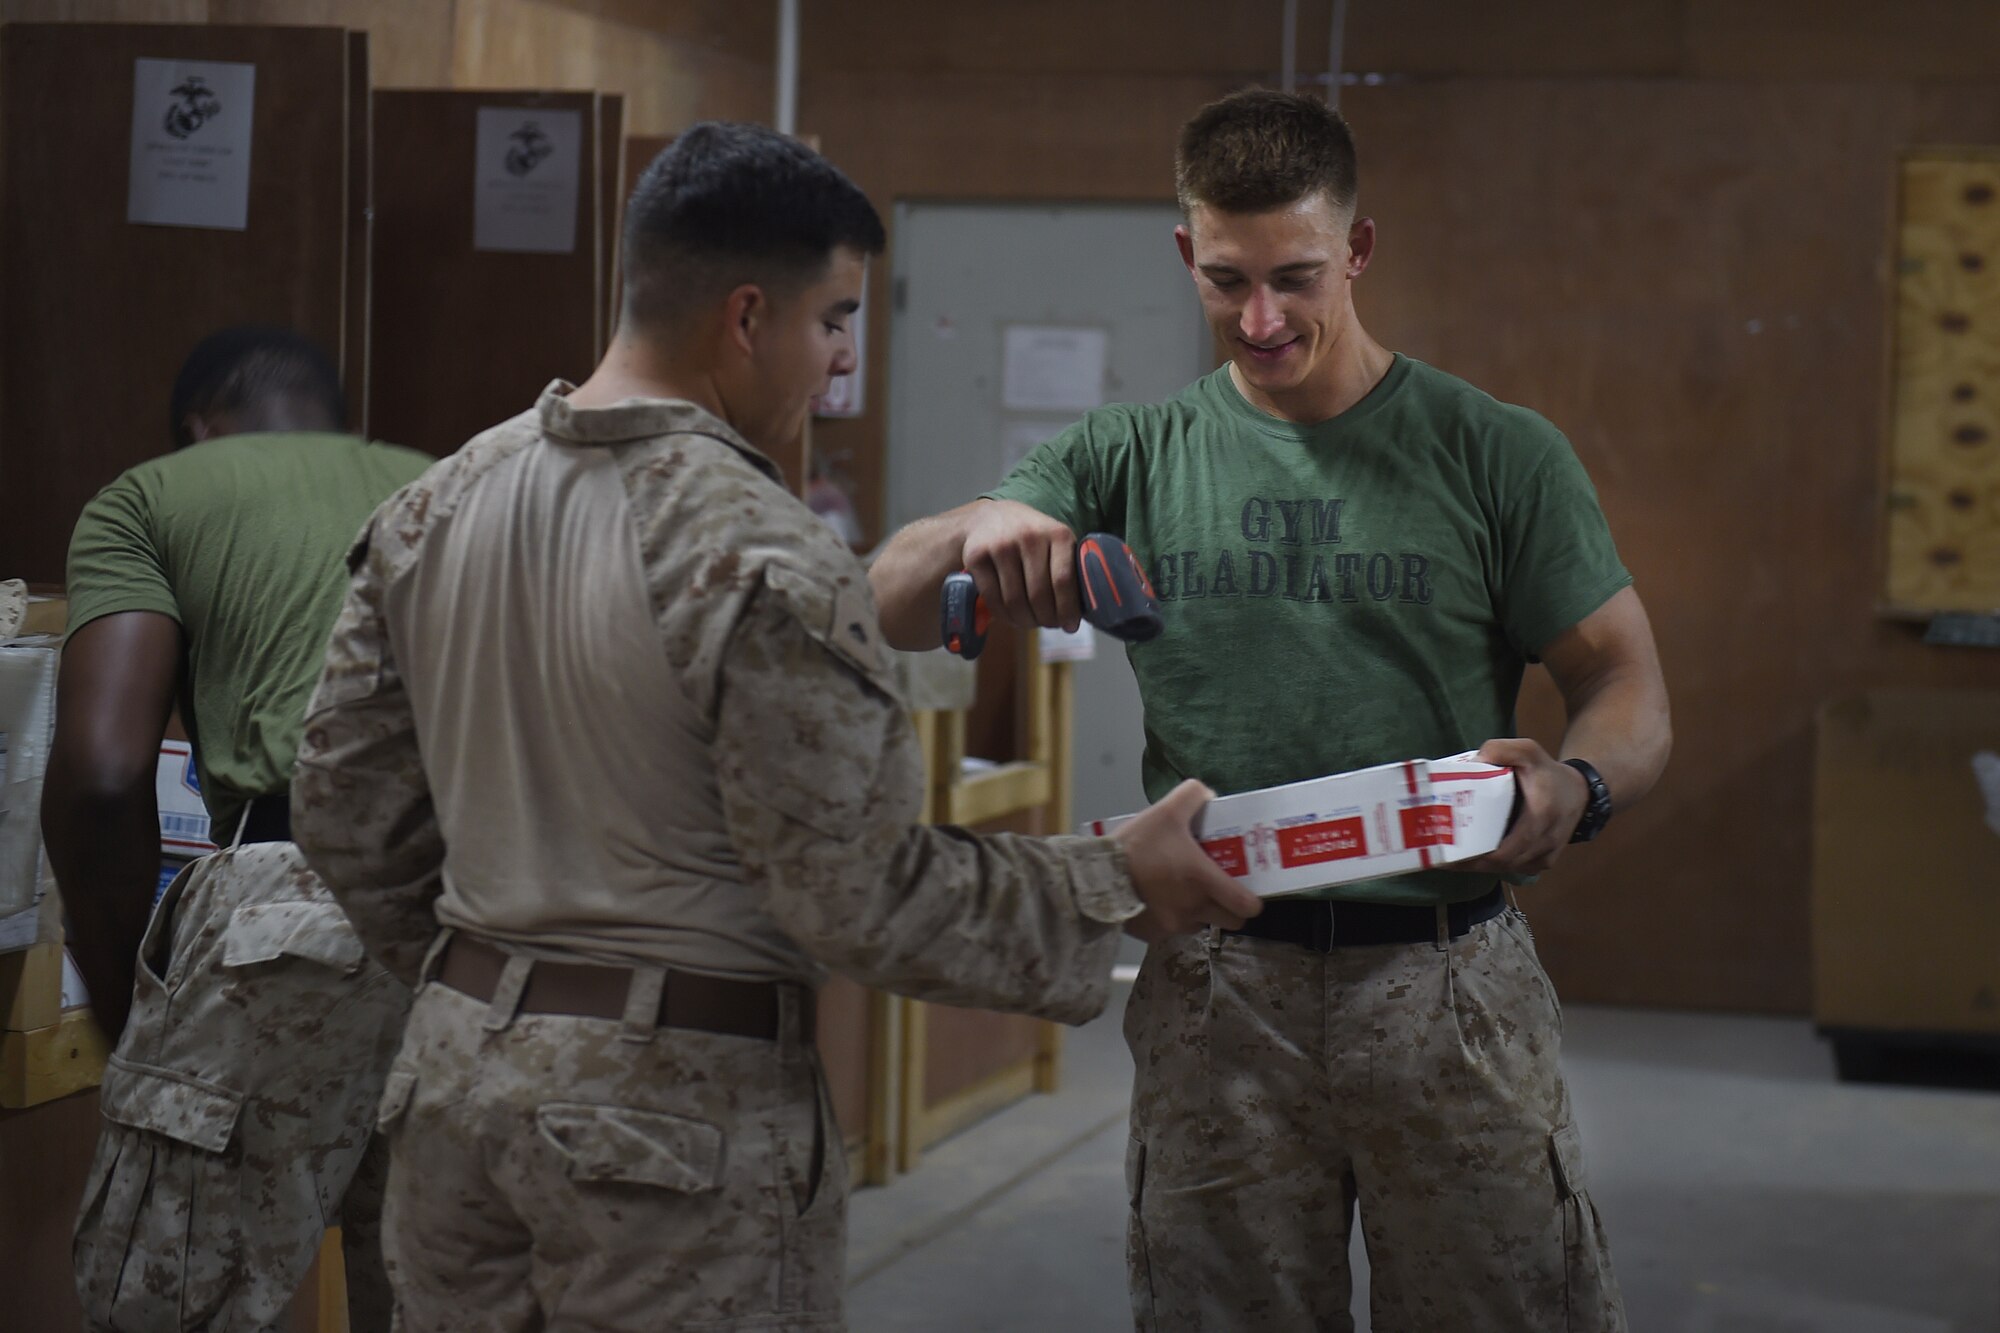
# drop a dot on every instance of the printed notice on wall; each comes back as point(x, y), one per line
point(1052, 369)
point(191, 143)
point(526, 177)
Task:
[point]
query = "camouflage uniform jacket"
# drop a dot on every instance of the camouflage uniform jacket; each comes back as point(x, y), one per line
point(794, 725)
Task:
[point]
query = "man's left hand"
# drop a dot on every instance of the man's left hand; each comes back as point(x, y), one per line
point(1553, 796)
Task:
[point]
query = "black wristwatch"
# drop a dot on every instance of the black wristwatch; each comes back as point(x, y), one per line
point(1597, 813)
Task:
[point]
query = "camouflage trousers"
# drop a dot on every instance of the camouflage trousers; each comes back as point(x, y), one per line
point(238, 1108)
point(550, 1171)
point(1278, 1087)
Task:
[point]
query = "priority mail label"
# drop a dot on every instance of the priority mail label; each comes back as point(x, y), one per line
point(184, 823)
point(1371, 823)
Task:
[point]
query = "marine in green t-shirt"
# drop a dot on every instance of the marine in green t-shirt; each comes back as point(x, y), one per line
point(1357, 556)
point(208, 578)
point(1353, 592)
point(240, 541)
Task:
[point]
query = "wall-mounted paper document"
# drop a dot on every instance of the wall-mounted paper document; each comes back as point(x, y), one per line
point(1053, 369)
point(191, 143)
point(526, 179)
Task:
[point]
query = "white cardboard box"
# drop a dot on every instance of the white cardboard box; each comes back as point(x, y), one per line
point(1368, 824)
point(184, 822)
point(27, 726)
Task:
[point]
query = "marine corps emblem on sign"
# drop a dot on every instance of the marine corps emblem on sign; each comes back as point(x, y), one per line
point(527, 147)
point(195, 106)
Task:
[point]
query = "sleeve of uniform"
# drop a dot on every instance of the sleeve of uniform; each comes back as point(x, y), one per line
point(1059, 477)
point(361, 804)
point(822, 782)
point(1559, 561)
point(115, 563)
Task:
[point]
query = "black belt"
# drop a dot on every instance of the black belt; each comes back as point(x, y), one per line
point(1323, 925)
point(268, 819)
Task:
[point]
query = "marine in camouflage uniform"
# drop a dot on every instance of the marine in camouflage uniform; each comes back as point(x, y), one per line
point(610, 706)
point(612, 1171)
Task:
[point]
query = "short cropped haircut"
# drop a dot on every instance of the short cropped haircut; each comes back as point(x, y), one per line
point(250, 364)
point(1260, 149)
point(728, 204)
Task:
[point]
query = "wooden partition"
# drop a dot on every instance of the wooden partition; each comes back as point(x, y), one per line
point(97, 313)
point(462, 337)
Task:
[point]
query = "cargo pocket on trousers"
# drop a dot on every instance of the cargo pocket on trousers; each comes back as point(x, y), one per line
point(1591, 1299)
point(1138, 1263)
point(318, 932)
point(166, 1197)
point(622, 1145)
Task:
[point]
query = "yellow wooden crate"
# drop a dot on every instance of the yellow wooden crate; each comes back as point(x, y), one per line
point(50, 1062)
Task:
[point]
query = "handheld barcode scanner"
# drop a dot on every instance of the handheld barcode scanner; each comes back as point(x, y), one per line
point(1117, 598)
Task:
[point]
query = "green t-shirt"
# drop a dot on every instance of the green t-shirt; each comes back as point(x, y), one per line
point(1357, 592)
point(242, 540)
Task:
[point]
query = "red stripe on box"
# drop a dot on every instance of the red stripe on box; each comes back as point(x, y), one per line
point(1473, 777)
point(1426, 825)
point(1230, 854)
point(1410, 775)
point(1330, 840)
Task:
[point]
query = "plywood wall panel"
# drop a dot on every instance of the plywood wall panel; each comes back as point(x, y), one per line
point(463, 339)
point(412, 39)
point(98, 313)
point(667, 84)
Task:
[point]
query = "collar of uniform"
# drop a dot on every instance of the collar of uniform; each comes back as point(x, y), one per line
point(640, 419)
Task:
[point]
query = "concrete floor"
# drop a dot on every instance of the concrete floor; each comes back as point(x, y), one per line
point(1745, 1190)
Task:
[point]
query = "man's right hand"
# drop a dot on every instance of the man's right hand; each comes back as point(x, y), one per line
point(1024, 563)
point(1182, 888)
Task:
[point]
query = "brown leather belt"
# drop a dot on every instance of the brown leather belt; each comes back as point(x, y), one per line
point(593, 990)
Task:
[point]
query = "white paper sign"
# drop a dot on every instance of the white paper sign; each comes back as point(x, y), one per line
point(526, 177)
point(1052, 369)
point(191, 143)
point(1062, 646)
point(843, 397)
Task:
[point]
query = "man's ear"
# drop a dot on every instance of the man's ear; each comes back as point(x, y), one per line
point(1184, 239)
point(198, 428)
point(746, 311)
point(1360, 246)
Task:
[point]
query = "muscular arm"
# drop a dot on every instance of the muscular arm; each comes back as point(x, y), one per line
point(1608, 670)
point(1023, 560)
point(99, 814)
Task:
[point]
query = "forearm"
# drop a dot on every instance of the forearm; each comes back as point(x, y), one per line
point(1023, 925)
point(909, 573)
point(105, 851)
point(1624, 729)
